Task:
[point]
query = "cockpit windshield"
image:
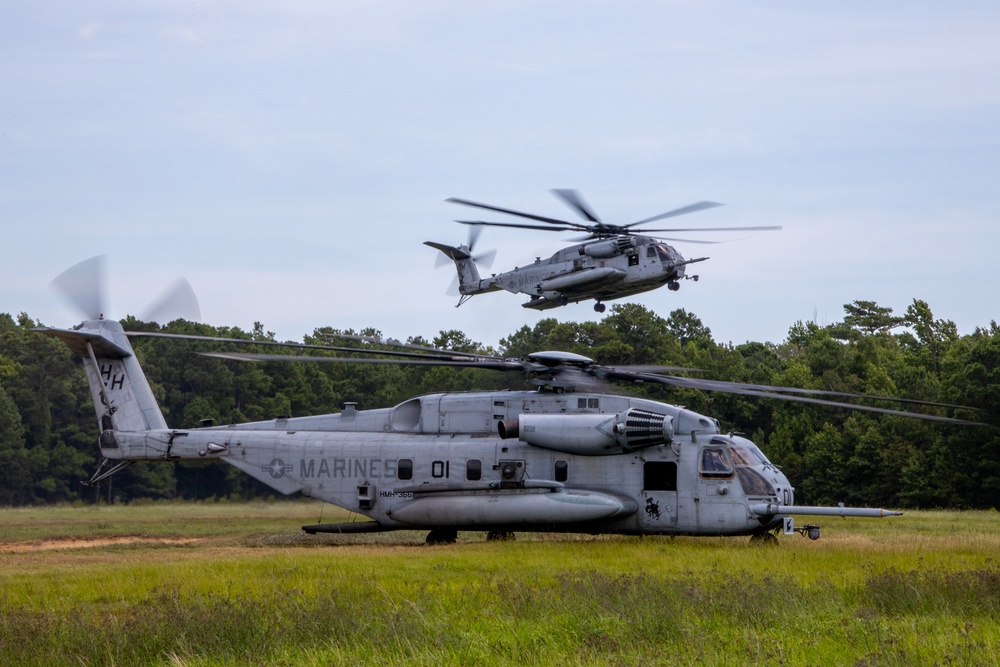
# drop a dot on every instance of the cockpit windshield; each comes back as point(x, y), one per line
point(746, 456)
point(743, 451)
point(661, 252)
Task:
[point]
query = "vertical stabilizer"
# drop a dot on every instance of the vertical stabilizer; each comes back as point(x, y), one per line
point(122, 397)
point(469, 282)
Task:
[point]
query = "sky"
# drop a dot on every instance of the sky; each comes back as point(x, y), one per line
point(289, 159)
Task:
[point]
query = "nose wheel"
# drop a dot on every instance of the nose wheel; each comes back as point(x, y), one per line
point(673, 286)
point(600, 307)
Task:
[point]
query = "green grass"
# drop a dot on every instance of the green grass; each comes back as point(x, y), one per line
point(251, 589)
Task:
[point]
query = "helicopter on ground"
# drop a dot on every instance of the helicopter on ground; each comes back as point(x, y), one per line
point(613, 261)
point(566, 456)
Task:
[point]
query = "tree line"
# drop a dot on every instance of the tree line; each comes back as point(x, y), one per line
point(48, 428)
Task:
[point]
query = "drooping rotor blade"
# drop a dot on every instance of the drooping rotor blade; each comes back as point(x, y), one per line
point(690, 208)
point(455, 357)
point(723, 385)
point(575, 228)
point(540, 218)
point(487, 362)
point(176, 303)
point(575, 201)
point(409, 346)
point(748, 390)
point(83, 286)
point(640, 368)
point(560, 369)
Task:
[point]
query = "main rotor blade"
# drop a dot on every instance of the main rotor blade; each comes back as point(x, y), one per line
point(392, 342)
point(457, 357)
point(83, 285)
point(711, 229)
point(676, 240)
point(540, 218)
point(639, 368)
point(490, 364)
point(750, 390)
point(690, 208)
point(575, 227)
point(575, 201)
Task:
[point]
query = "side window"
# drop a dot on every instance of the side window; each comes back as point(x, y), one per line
point(561, 471)
point(715, 463)
point(473, 470)
point(659, 476)
point(404, 469)
point(650, 251)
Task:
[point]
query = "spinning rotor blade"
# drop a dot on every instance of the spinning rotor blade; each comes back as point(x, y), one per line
point(481, 223)
point(83, 286)
point(178, 302)
point(575, 201)
point(711, 229)
point(553, 221)
point(683, 210)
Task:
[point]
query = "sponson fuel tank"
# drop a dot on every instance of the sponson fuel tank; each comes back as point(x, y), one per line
point(591, 434)
point(514, 507)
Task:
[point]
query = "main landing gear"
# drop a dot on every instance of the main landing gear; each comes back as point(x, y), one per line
point(442, 536)
point(764, 540)
point(600, 307)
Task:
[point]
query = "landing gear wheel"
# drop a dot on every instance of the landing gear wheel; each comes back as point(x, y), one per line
point(764, 540)
point(442, 536)
point(673, 286)
point(600, 307)
point(500, 536)
point(563, 300)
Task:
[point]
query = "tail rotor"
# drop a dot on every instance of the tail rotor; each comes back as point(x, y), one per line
point(83, 286)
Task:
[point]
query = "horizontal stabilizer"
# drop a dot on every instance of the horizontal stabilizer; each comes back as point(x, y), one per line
point(452, 252)
point(76, 340)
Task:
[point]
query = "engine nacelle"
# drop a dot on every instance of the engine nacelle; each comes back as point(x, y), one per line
point(590, 434)
point(610, 248)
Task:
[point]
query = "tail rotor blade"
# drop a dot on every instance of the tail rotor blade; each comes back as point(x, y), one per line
point(177, 303)
point(475, 231)
point(83, 286)
point(486, 258)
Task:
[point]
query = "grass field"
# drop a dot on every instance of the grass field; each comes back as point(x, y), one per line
point(230, 583)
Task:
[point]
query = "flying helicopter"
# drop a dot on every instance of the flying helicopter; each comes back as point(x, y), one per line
point(611, 262)
point(567, 455)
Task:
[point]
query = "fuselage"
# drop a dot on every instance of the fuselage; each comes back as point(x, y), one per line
point(603, 269)
point(439, 461)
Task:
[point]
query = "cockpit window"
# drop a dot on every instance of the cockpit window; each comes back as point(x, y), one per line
point(715, 463)
point(746, 456)
point(753, 483)
point(661, 250)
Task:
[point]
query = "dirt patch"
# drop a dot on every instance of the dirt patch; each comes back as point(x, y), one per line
point(85, 543)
